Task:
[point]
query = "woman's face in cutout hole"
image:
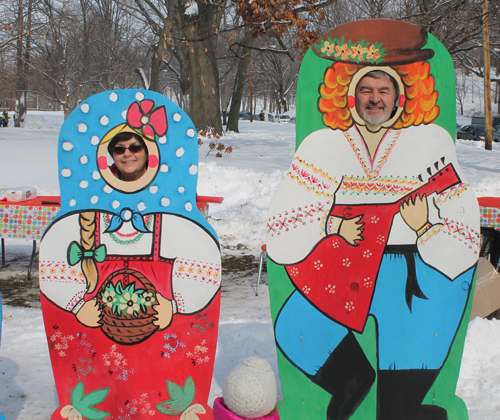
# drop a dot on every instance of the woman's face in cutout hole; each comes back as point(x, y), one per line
point(130, 157)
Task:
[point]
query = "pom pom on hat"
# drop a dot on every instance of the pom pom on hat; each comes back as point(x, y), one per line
point(250, 389)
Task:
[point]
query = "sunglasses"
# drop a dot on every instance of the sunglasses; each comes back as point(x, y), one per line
point(133, 148)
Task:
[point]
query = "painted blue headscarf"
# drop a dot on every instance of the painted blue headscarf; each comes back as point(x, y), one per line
point(169, 186)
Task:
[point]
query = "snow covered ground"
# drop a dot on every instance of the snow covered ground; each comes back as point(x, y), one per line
point(246, 179)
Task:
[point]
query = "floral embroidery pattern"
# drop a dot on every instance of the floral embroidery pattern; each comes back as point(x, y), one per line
point(199, 354)
point(367, 282)
point(300, 217)
point(172, 344)
point(198, 271)
point(85, 366)
point(306, 290)
point(349, 306)
point(358, 52)
point(202, 323)
point(312, 178)
point(371, 174)
point(396, 186)
point(61, 272)
point(137, 406)
point(117, 364)
point(318, 265)
point(346, 262)
point(61, 342)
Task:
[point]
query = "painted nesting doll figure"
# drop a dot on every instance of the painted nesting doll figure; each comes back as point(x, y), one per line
point(1, 415)
point(373, 235)
point(130, 270)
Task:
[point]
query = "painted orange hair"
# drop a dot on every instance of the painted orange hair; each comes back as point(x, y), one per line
point(421, 97)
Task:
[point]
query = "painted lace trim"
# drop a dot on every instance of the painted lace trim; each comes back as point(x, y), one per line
point(299, 217)
point(369, 173)
point(387, 185)
point(312, 178)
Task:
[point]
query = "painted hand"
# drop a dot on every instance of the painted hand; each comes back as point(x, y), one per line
point(415, 213)
point(90, 314)
point(165, 312)
point(351, 230)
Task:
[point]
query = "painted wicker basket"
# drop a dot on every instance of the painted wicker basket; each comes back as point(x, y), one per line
point(127, 328)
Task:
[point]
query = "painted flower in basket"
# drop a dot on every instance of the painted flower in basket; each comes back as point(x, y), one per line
point(128, 311)
point(127, 300)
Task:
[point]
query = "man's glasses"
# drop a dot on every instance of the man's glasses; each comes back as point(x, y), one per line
point(133, 148)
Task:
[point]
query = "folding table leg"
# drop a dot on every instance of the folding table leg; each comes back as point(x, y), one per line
point(3, 254)
point(32, 258)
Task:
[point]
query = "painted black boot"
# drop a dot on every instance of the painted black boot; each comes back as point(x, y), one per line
point(400, 394)
point(348, 376)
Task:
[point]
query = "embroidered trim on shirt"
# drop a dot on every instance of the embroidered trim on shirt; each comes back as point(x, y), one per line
point(60, 272)
point(372, 174)
point(387, 185)
point(199, 271)
point(298, 217)
point(333, 225)
point(312, 178)
point(458, 230)
point(430, 233)
point(452, 192)
point(424, 229)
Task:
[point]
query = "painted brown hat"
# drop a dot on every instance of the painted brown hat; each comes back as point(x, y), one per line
point(374, 42)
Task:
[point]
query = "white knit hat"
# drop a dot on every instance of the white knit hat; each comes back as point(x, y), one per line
point(250, 389)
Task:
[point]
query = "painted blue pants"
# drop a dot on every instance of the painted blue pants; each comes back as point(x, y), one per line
point(416, 339)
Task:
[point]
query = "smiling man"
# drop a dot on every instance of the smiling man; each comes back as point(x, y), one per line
point(376, 96)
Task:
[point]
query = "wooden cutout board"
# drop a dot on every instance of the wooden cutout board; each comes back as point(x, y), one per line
point(292, 208)
point(134, 335)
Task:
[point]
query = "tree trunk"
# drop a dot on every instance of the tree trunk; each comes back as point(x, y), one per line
point(20, 67)
point(239, 84)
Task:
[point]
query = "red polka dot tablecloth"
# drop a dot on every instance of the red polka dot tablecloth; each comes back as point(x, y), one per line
point(27, 219)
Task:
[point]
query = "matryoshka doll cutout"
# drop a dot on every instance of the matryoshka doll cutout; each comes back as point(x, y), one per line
point(1, 415)
point(373, 235)
point(130, 270)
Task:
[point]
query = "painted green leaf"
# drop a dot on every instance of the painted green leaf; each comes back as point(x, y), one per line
point(77, 394)
point(171, 408)
point(92, 413)
point(95, 397)
point(189, 390)
point(174, 390)
point(180, 400)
